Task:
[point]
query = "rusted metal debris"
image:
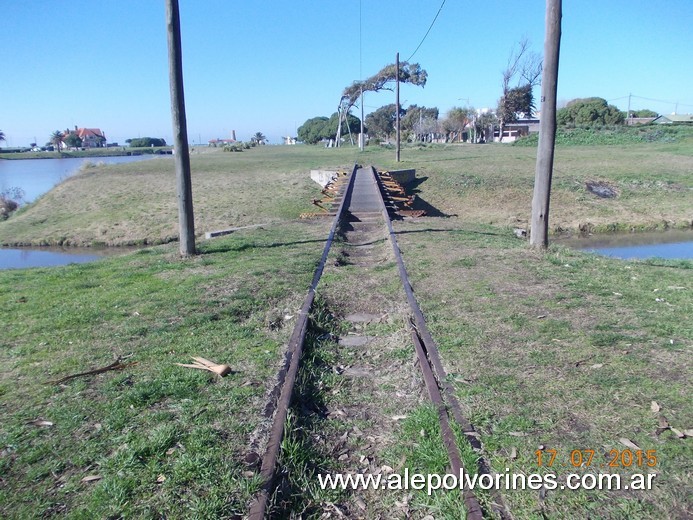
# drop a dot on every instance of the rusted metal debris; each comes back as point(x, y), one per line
point(331, 191)
point(395, 196)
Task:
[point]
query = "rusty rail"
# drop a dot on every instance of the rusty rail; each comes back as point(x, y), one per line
point(439, 390)
point(287, 375)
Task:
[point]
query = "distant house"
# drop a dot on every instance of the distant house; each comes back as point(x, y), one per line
point(630, 121)
point(91, 137)
point(220, 142)
point(520, 128)
point(289, 140)
point(674, 119)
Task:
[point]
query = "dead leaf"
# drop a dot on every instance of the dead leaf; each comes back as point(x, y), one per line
point(91, 478)
point(541, 316)
point(248, 474)
point(678, 433)
point(513, 453)
point(663, 423)
point(630, 444)
point(398, 417)
point(688, 433)
point(40, 422)
point(654, 406)
point(518, 434)
point(161, 479)
point(597, 365)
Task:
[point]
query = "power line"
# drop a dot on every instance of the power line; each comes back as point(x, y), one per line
point(429, 30)
point(662, 101)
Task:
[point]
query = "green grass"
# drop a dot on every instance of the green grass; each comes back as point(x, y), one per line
point(617, 135)
point(165, 440)
point(565, 350)
point(562, 349)
point(482, 184)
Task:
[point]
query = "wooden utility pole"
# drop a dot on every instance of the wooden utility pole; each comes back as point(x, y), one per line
point(361, 136)
point(186, 220)
point(539, 236)
point(397, 107)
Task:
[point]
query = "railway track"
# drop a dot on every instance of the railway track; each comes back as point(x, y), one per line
point(363, 200)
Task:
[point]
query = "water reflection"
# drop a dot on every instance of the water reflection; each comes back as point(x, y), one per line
point(668, 245)
point(24, 257)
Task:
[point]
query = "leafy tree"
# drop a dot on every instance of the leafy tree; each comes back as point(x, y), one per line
point(314, 130)
point(352, 124)
point(318, 128)
point(56, 139)
point(594, 111)
point(455, 122)
point(519, 99)
point(644, 113)
point(408, 73)
point(146, 142)
point(481, 125)
point(258, 138)
point(73, 140)
point(381, 123)
point(419, 122)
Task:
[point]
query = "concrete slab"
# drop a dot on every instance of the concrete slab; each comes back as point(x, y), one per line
point(403, 176)
point(322, 177)
point(354, 341)
point(363, 317)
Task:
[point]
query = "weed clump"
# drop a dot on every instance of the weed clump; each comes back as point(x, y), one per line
point(10, 200)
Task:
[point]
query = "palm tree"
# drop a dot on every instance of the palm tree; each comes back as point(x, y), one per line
point(258, 138)
point(56, 139)
point(2, 136)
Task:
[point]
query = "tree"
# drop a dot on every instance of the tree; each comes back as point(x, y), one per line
point(408, 73)
point(2, 136)
point(519, 99)
point(56, 140)
point(419, 122)
point(644, 113)
point(593, 111)
point(455, 122)
point(349, 124)
point(72, 140)
point(258, 138)
point(146, 142)
point(482, 124)
point(314, 130)
point(381, 123)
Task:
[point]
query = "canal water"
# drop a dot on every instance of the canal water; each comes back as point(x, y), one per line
point(21, 258)
point(37, 176)
point(663, 244)
point(34, 177)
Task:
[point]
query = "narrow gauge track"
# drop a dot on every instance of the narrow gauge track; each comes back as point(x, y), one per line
point(363, 195)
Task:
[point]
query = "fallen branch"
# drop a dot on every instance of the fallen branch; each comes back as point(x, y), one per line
point(116, 365)
point(210, 366)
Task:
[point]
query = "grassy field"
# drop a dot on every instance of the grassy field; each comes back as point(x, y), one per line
point(483, 184)
point(562, 350)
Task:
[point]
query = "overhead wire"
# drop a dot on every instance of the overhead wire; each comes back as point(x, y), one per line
point(429, 30)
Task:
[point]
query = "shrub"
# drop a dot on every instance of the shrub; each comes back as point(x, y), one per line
point(146, 142)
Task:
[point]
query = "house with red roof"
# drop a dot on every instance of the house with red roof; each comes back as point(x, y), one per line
point(91, 137)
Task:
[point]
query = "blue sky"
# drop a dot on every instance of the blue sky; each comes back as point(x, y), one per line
point(269, 66)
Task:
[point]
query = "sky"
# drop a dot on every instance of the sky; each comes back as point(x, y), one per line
point(269, 66)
